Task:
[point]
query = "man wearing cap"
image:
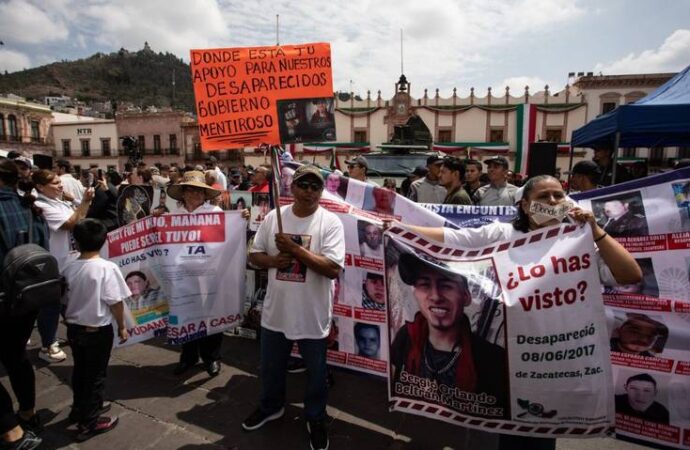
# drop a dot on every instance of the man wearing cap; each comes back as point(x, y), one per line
point(584, 176)
point(439, 344)
point(428, 189)
point(298, 307)
point(452, 176)
point(358, 169)
point(24, 165)
point(194, 194)
point(498, 192)
point(212, 163)
point(70, 185)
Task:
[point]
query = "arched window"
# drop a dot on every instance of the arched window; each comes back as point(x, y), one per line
point(3, 133)
point(12, 129)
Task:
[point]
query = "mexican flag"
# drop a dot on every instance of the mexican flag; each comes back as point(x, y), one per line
point(526, 134)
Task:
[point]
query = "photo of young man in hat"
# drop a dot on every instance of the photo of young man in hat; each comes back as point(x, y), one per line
point(439, 344)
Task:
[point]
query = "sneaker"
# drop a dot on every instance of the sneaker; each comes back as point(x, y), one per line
point(318, 434)
point(52, 354)
point(259, 418)
point(295, 365)
point(101, 425)
point(27, 442)
point(105, 407)
point(33, 424)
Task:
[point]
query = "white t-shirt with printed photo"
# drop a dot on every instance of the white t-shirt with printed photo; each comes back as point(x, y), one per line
point(93, 286)
point(301, 309)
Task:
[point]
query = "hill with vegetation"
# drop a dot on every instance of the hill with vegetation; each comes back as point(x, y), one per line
point(143, 78)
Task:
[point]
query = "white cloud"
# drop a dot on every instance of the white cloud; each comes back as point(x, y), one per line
point(21, 21)
point(12, 61)
point(517, 86)
point(672, 56)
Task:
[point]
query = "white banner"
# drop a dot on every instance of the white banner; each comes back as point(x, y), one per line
point(507, 338)
point(186, 272)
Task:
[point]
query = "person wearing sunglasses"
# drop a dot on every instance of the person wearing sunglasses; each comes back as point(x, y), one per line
point(303, 262)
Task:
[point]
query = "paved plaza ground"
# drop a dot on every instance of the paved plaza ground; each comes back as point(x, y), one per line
point(158, 410)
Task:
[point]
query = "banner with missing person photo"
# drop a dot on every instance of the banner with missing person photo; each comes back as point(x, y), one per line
point(509, 338)
point(176, 266)
point(649, 322)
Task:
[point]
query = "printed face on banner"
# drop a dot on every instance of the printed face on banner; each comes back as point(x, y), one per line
point(263, 95)
point(297, 271)
point(438, 352)
point(148, 301)
point(367, 340)
point(621, 215)
point(639, 334)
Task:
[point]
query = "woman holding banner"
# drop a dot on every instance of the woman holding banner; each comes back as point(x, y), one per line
point(616, 265)
point(194, 195)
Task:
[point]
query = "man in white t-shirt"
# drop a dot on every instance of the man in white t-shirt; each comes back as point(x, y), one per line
point(302, 263)
point(70, 185)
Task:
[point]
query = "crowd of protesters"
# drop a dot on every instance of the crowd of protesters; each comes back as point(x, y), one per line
point(70, 213)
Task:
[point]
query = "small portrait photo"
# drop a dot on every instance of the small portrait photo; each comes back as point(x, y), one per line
point(338, 288)
point(641, 395)
point(373, 291)
point(133, 203)
point(306, 120)
point(260, 208)
point(336, 185)
point(286, 182)
point(297, 271)
point(647, 286)
point(148, 302)
point(379, 200)
point(638, 334)
point(448, 340)
point(367, 340)
point(240, 200)
point(621, 215)
point(370, 239)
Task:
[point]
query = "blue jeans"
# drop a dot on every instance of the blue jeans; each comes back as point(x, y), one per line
point(275, 351)
point(48, 319)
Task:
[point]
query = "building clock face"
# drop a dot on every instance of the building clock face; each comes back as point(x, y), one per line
point(401, 108)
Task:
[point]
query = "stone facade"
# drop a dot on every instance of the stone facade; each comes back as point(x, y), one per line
point(24, 126)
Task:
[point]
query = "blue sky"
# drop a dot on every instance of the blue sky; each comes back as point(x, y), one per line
point(447, 43)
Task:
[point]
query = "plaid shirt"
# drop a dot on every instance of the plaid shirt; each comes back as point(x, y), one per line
point(14, 218)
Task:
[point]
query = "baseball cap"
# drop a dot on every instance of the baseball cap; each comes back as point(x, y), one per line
point(23, 160)
point(305, 170)
point(434, 159)
point(361, 160)
point(420, 171)
point(497, 160)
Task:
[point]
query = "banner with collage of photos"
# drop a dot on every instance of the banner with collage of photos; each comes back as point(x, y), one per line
point(649, 322)
point(176, 267)
point(508, 336)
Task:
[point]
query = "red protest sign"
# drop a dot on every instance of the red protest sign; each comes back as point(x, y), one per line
point(263, 95)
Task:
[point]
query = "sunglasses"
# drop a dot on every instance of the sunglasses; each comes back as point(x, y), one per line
point(312, 185)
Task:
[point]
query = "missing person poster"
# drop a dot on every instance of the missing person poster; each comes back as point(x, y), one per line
point(509, 338)
point(263, 95)
point(649, 321)
point(186, 274)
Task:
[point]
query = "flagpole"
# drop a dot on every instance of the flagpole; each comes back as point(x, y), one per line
point(275, 185)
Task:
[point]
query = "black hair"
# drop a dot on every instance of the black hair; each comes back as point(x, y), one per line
point(521, 220)
point(135, 273)
point(455, 165)
point(642, 377)
point(90, 235)
point(359, 327)
point(473, 162)
point(9, 173)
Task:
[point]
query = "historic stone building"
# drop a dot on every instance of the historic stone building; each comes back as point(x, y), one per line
point(24, 126)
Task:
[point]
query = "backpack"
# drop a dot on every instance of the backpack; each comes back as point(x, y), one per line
point(30, 277)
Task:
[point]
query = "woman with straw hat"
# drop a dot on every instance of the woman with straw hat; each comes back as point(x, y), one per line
point(193, 195)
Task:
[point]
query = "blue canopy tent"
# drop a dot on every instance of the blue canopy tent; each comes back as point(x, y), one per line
point(661, 119)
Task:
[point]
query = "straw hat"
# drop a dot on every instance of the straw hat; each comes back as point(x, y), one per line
point(192, 178)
